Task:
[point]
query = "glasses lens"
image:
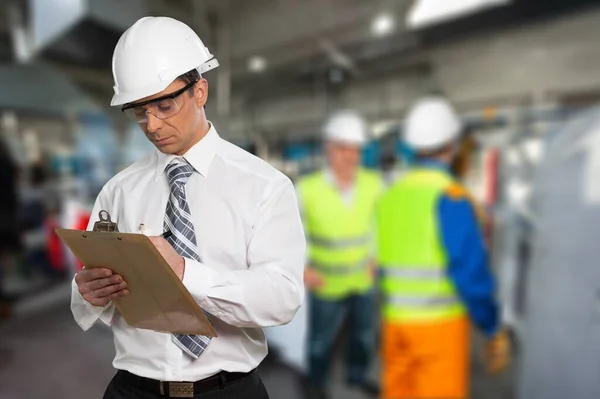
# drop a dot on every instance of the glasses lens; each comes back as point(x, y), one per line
point(136, 114)
point(162, 109)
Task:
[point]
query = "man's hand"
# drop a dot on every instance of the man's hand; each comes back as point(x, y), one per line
point(312, 278)
point(171, 256)
point(373, 269)
point(497, 352)
point(100, 286)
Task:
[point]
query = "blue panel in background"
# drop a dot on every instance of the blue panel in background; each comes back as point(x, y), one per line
point(371, 154)
point(97, 149)
point(405, 153)
point(136, 146)
point(297, 152)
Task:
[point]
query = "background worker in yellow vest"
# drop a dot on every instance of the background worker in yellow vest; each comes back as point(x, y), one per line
point(337, 206)
point(434, 267)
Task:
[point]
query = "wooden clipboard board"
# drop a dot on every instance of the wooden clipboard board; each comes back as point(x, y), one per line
point(157, 299)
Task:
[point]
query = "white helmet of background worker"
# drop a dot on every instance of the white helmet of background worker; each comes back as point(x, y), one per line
point(431, 124)
point(152, 53)
point(346, 127)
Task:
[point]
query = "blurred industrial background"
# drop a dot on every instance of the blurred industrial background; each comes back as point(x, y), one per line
point(518, 72)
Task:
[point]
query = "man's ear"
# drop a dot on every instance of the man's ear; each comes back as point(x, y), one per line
point(201, 92)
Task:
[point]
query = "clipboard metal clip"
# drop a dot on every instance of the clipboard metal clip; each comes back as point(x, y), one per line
point(105, 224)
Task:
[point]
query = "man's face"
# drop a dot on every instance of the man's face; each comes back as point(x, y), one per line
point(178, 133)
point(343, 158)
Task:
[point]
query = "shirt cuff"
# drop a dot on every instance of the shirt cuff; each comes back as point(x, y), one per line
point(199, 279)
point(87, 314)
point(106, 313)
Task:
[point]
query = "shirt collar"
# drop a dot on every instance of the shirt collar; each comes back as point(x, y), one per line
point(200, 156)
point(330, 178)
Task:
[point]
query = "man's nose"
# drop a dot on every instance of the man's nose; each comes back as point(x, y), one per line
point(154, 124)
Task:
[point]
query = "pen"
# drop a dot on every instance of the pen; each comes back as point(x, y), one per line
point(166, 234)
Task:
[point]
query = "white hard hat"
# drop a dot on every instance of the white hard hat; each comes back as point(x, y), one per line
point(152, 53)
point(346, 127)
point(431, 123)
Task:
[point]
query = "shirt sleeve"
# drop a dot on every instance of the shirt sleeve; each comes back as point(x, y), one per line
point(303, 216)
point(86, 314)
point(270, 291)
point(468, 261)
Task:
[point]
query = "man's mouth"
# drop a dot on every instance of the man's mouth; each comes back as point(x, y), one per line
point(161, 141)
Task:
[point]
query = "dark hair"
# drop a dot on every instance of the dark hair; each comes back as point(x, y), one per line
point(189, 77)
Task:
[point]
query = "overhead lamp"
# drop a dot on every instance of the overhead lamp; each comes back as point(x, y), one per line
point(424, 13)
point(257, 64)
point(383, 25)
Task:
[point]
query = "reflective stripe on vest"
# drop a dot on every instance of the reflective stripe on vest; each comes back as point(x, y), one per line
point(341, 269)
point(339, 243)
point(424, 301)
point(413, 273)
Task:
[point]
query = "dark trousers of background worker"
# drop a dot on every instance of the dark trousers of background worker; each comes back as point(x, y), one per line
point(249, 387)
point(326, 318)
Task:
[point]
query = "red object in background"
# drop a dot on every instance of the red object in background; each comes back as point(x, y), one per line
point(82, 222)
point(56, 253)
point(55, 249)
point(492, 164)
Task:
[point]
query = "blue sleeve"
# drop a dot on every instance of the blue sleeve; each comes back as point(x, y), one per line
point(468, 261)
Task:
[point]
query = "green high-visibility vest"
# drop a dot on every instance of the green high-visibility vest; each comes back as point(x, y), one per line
point(410, 252)
point(339, 235)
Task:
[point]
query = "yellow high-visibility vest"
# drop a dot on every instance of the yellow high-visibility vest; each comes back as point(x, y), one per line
point(339, 235)
point(410, 251)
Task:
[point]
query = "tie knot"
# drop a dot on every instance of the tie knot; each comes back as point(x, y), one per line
point(178, 172)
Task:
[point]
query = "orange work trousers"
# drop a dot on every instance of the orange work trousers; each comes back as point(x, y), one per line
point(428, 360)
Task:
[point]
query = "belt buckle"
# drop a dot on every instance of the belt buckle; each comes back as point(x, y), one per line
point(181, 389)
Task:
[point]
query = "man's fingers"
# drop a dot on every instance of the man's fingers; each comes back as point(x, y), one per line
point(107, 291)
point(104, 300)
point(87, 275)
point(105, 282)
point(119, 294)
point(98, 284)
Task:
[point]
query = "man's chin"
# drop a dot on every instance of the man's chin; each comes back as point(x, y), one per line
point(166, 148)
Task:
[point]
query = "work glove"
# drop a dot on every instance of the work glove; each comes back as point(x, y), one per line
point(497, 352)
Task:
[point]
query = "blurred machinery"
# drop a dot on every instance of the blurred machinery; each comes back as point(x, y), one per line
point(561, 312)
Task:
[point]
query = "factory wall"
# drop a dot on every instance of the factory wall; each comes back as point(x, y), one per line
point(535, 61)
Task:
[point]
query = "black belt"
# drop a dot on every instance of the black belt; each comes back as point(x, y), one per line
point(181, 389)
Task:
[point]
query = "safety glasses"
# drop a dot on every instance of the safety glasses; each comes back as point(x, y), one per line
point(163, 107)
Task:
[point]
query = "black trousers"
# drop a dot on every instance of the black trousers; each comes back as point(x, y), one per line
point(250, 387)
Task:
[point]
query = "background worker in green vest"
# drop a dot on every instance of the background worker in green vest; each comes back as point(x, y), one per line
point(337, 206)
point(435, 268)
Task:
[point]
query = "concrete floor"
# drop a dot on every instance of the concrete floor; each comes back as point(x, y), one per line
point(44, 355)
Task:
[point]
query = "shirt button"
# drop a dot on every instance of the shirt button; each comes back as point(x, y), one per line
point(220, 315)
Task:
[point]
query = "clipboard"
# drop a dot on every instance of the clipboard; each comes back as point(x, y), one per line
point(157, 299)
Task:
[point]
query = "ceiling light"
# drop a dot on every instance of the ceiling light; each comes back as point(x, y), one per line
point(257, 64)
point(424, 13)
point(383, 25)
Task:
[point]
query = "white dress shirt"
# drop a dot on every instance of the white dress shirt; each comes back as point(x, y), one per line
point(252, 249)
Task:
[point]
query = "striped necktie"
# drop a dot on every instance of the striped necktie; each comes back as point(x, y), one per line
point(179, 221)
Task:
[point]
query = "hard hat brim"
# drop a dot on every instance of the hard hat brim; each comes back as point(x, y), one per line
point(124, 98)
